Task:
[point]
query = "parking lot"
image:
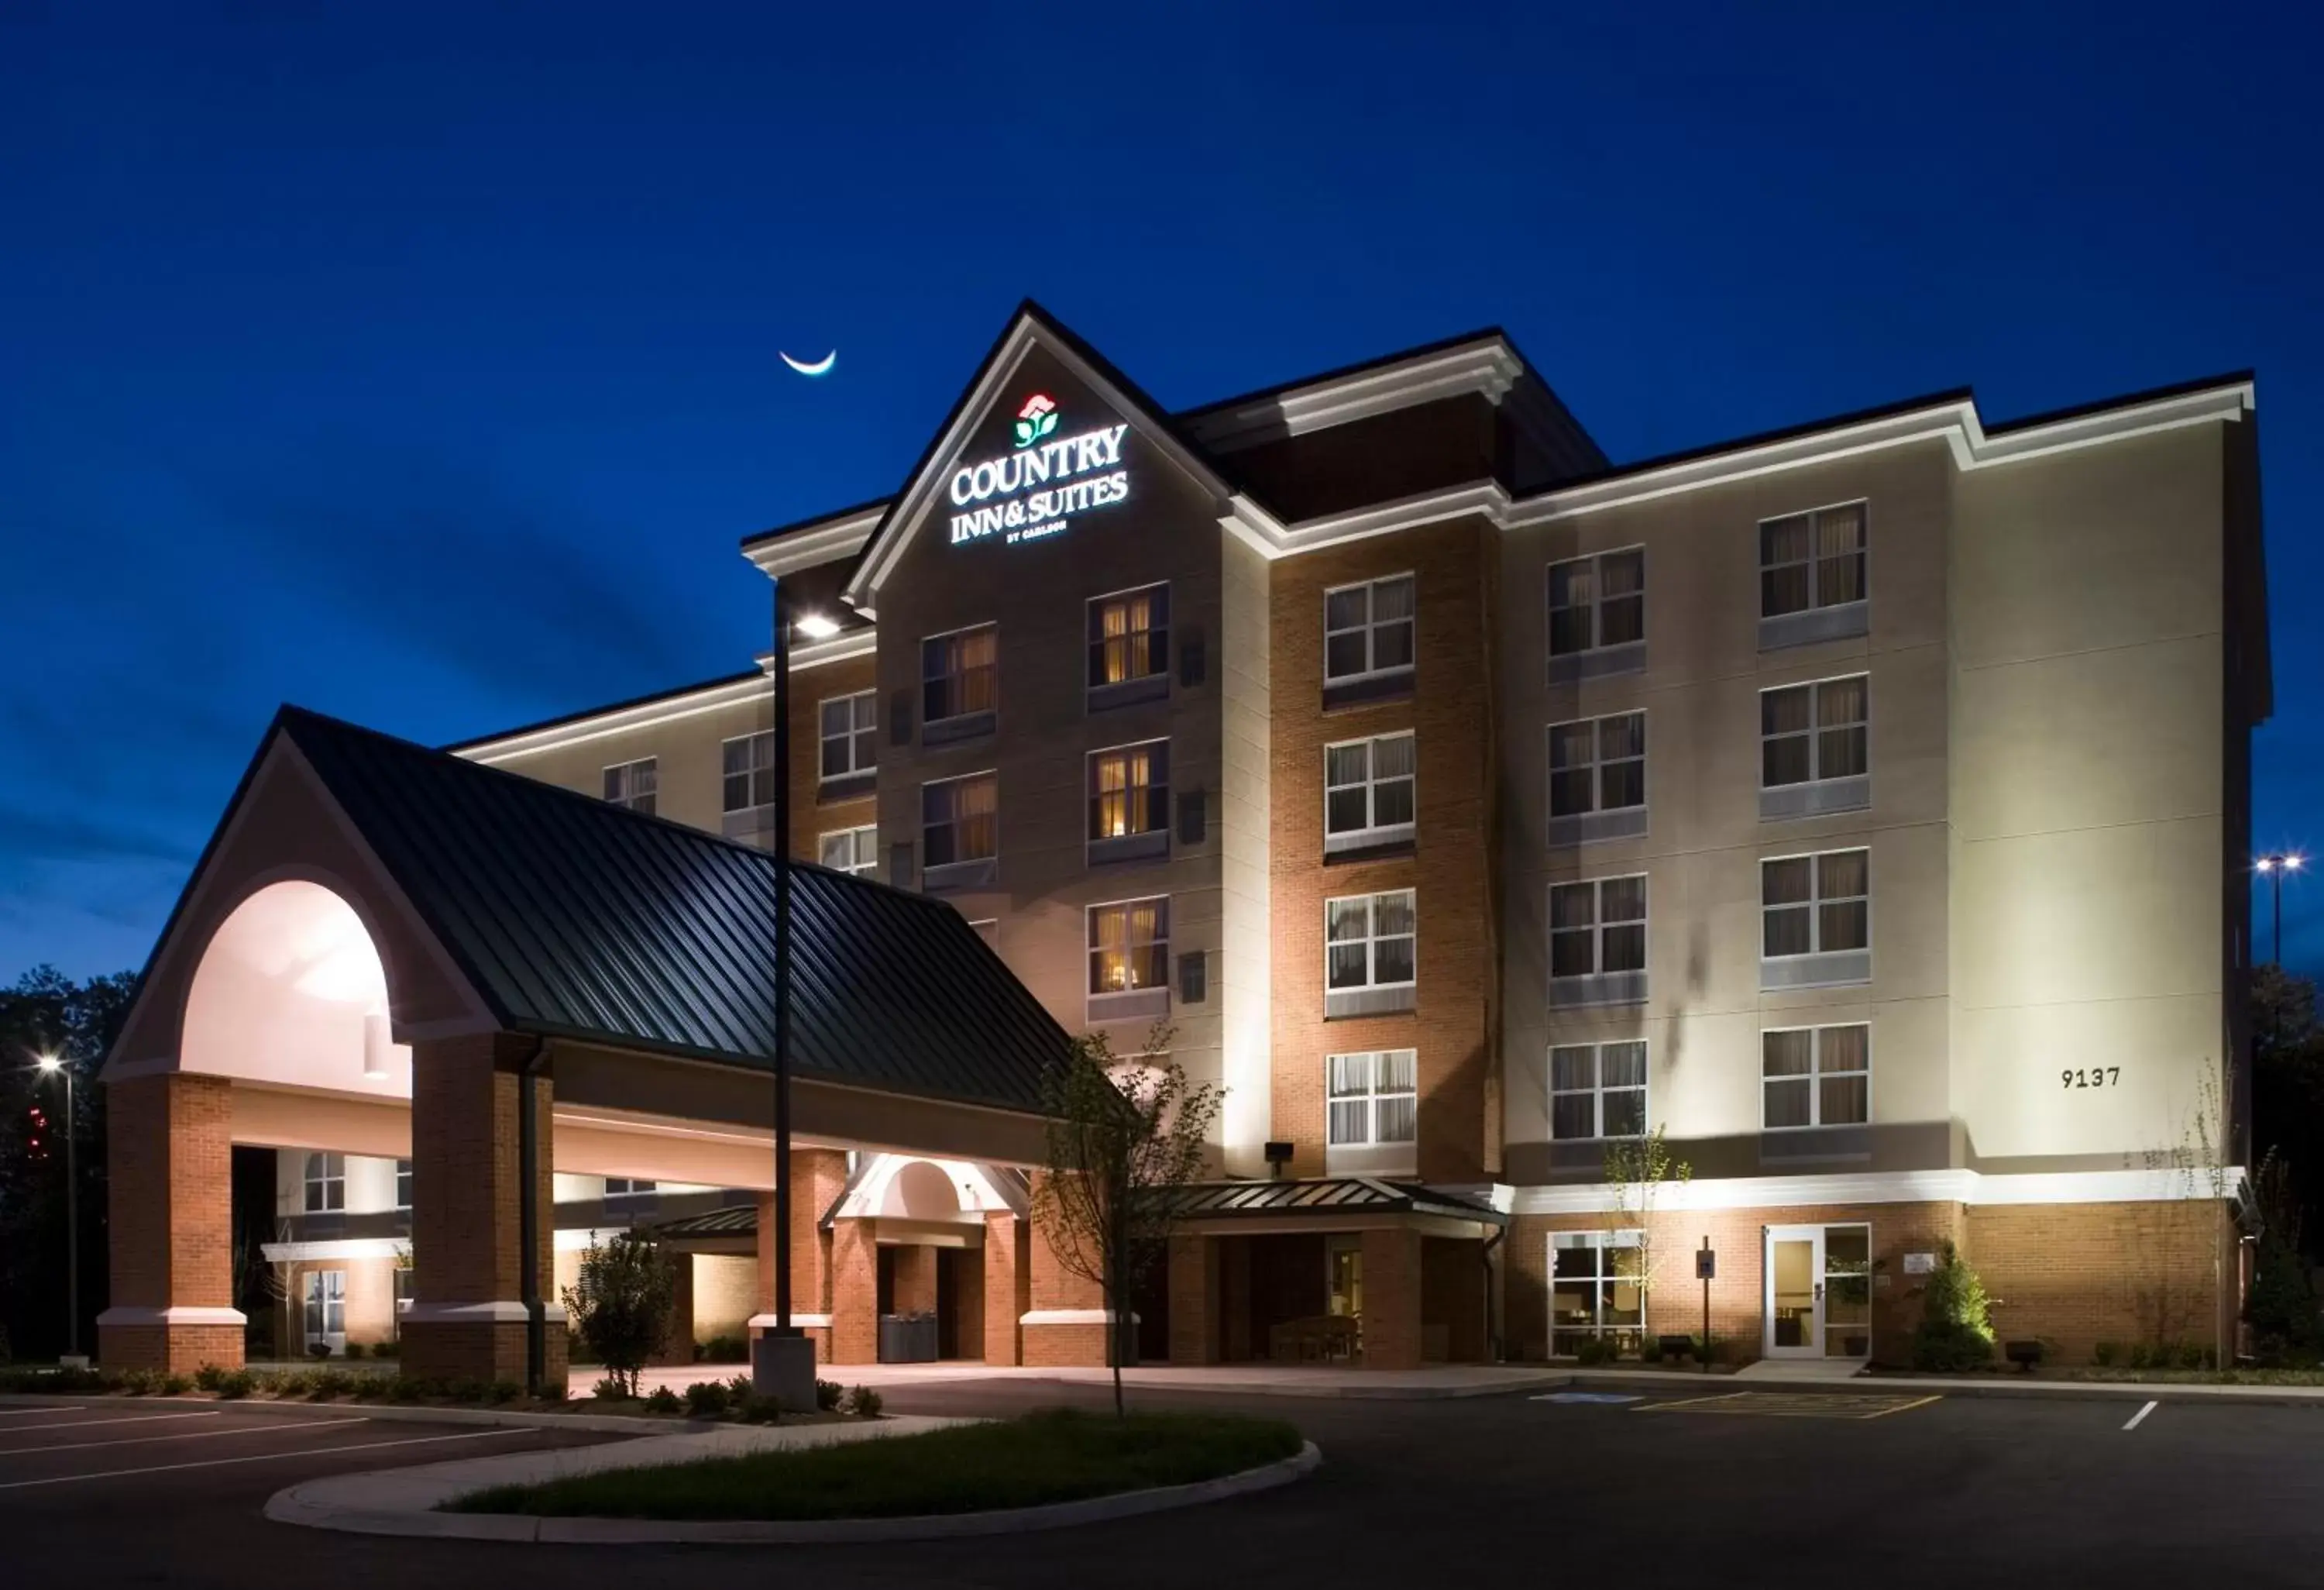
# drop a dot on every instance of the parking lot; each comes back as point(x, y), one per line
point(1695, 1485)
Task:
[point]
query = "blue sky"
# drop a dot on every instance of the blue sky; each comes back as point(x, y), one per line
point(418, 363)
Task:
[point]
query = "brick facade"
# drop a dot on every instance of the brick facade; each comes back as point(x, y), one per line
point(169, 1156)
point(1008, 1287)
point(818, 1176)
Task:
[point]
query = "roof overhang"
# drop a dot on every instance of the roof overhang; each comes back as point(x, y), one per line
point(1487, 367)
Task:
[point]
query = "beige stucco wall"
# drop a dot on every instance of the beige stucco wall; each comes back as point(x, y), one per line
point(1243, 972)
point(686, 745)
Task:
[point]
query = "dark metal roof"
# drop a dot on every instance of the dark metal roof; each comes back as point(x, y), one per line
point(1330, 1196)
point(734, 1220)
point(573, 918)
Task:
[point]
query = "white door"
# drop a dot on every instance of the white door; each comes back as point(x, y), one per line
point(1818, 1292)
point(326, 1309)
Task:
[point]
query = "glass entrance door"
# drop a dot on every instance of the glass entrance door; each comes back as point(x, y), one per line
point(1818, 1292)
point(326, 1311)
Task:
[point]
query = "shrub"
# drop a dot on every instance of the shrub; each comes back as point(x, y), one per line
point(1594, 1351)
point(387, 1349)
point(2106, 1355)
point(1707, 1348)
point(175, 1385)
point(140, 1382)
point(238, 1383)
point(726, 1348)
point(757, 1410)
point(293, 1383)
point(468, 1391)
point(504, 1391)
point(621, 1304)
point(662, 1400)
point(332, 1382)
point(1955, 1328)
point(1650, 1350)
point(2281, 1308)
point(354, 1349)
point(740, 1388)
point(401, 1390)
point(611, 1388)
point(708, 1398)
point(827, 1394)
point(864, 1402)
point(209, 1376)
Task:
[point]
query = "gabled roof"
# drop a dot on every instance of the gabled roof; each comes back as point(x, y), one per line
point(575, 919)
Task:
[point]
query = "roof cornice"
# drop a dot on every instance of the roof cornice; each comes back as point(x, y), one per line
point(814, 543)
point(1488, 367)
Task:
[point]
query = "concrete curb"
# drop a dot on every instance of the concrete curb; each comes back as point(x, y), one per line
point(288, 1507)
point(613, 1424)
point(1965, 1386)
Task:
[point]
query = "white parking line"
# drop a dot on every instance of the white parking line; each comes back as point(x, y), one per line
point(120, 1473)
point(264, 1427)
point(2141, 1414)
point(90, 1424)
point(24, 1413)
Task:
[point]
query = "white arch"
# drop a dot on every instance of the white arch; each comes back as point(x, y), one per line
point(290, 989)
point(904, 1187)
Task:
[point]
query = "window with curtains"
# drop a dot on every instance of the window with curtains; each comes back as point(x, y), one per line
point(960, 675)
point(1368, 793)
point(1129, 801)
point(1371, 1100)
point(1130, 946)
point(1816, 918)
point(1368, 953)
point(1596, 1290)
point(1597, 779)
point(1816, 1077)
point(1811, 576)
point(325, 1190)
point(850, 850)
point(630, 785)
point(1597, 1090)
point(1808, 733)
point(1598, 614)
point(1597, 942)
point(748, 766)
point(1130, 645)
point(1368, 633)
point(849, 727)
point(960, 821)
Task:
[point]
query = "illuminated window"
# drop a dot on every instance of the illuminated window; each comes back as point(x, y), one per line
point(1598, 927)
point(1129, 790)
point(1816, 904)
point(1816, 732)
point(960, 820)
point(326, 1184)
point(1129, 636)
point(630, 785)
point(1130, 946)
point(1596, 1290)
point(1812, 561)
point(959, 673)
point(1368, 630)
point(1597, 1090)
point(1368, 791)
point(1598, 765)
point(850, 850)
point(1373, 1098)
point(749, 764)
point(850, 732)
point(1369, 942)
point(1816, 1077)
point(1596, 602)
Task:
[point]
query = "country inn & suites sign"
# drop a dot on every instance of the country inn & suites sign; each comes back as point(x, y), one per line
point(1035, 490)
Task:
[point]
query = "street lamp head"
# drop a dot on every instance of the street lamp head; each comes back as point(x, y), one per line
point(2291, 863)
point(47, 1062)
point(817, 626)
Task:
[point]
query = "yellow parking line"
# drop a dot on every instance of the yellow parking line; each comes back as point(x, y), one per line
point(1907, 1406)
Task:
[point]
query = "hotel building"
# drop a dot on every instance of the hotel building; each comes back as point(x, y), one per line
point(1858, 813)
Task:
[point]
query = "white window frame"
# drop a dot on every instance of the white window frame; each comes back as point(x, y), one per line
point(1815, 903)
point(863, 849)
point(622, 779)
point(1162, 630)
point(1157, 793)
point(1599, 926)
point(1369, 628)
point(324, 1295)
point(1598, 642)
point(1373, 831)
point(1603, 1277)
point(1597, 1090)
point(1598, 763)
point(856, 700)
point(1366, 1104)
point(403, 1184)
point(1815, 732)
point(927, 679)
point(1814, 516)
point(1130, 951)
point(1814, 1074)
point(323, 1181)
point(992, 773)
point(623, 1189)
point(752, 772)
point(1371, 941)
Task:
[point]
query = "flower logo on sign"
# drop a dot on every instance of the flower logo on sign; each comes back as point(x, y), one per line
point(1036, 420)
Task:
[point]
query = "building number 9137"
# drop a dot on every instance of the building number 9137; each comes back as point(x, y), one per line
point(2091, 1076)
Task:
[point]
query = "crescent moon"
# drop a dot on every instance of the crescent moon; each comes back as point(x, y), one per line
point(822, 366)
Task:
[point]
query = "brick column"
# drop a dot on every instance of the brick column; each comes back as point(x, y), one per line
point(169, 1159)
point(1008, 1287)
point(818, 1176)
point(1067, 1326)
point(855, 1293)
point(915, 1278)
point(1391, 1320)
point(468, 1320)
point(1194, 1299)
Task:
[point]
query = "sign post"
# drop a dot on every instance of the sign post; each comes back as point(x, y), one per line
point(1706, 1266)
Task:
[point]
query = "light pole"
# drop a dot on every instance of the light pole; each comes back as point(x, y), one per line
point(2273, 866)
point(51, 1065)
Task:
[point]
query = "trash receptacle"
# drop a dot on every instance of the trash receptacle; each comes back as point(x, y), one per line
point(907, 1338)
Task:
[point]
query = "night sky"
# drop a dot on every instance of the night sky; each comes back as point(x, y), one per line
point(419, 364)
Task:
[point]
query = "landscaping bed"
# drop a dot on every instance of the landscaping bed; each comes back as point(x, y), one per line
point(1061, 1455)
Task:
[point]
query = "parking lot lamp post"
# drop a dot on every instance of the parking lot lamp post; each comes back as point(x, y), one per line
point(50, 1066)
point(2273, 866)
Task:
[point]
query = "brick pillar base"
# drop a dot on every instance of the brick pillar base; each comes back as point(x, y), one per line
point(173, 1347)
point(1066, 1327)
point(855, 1293)
point(818, 1176)
point(169, 1158)
point(485, 1350)
point(1391, 1320)
point(1007, 1281)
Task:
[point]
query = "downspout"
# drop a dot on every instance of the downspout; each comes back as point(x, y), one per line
point(1492, 1322)
point(528, 1203)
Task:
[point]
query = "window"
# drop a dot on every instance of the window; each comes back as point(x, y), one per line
point(1816, 916)
point(848, 726)
point(325, 1309)
point(850, 850)
point(1596, 1292)
point(960, 820)
point(630, 785)
point(959, 676)
point(326, 1184)
point(1816, 1077)
point(749, 765)
point(1597, 1090)
point(403, 1184)
point(1373, 1098)
point(1130, 645)
point(1814, 735)
point(1129, 801)
point(621, 1188)
point(1130, 946)
point(1812, 577)
point(1368, 793)
point(1598, 605)
point(1367, 630)
point(1597, 942)
point(1369, 953)
point(1597, 779)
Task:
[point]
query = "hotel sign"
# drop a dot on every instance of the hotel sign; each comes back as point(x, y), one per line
point(1037, 490)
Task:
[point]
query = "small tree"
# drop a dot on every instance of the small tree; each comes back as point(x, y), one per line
point(621, 1304)
point(2281, 1306)
point(1123, 1138)
point(1638, 1168)
point(1955, 1328)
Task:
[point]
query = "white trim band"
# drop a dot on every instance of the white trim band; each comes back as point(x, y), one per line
point(800, 1321)
point(1897, 1186)
point(341, 1247)
point(130, 1314)
point(1069, 1316)
point(479, 1313)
